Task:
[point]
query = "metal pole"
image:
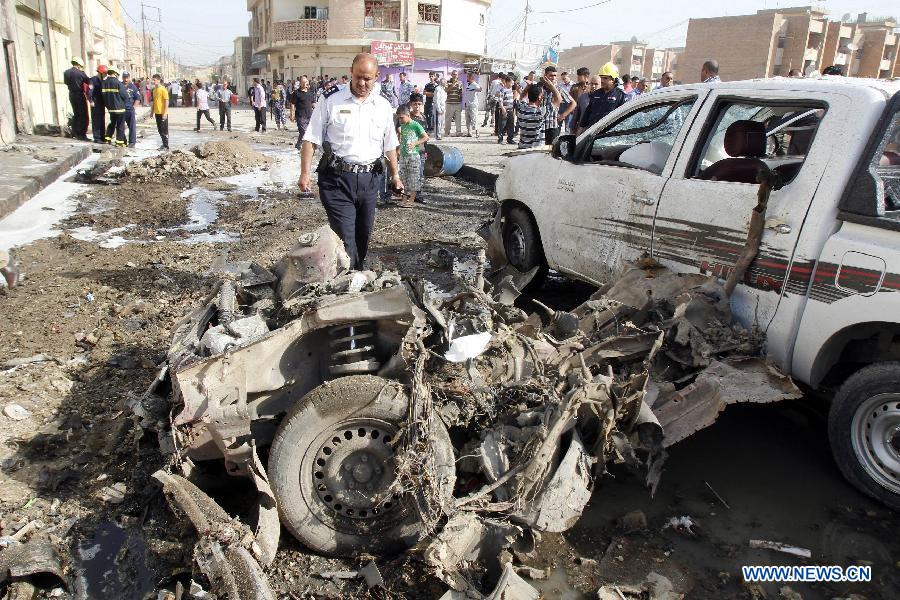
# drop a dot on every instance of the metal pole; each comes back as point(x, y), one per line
point(144, 42)
point(48, 48)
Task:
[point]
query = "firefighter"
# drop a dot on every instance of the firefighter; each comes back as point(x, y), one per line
point(115, 97)
point(98, 109)
point(76, 79)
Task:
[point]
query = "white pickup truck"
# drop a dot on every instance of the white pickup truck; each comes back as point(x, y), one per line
point(673, 174)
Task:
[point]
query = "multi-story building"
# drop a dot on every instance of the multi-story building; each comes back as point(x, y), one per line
point(243, 73)
point(631, 57)
point(777, 41)
point(321, 37)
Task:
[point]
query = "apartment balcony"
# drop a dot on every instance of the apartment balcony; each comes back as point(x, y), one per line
point(811, 54)
point(885, 65)
point(300, 32)
point(840, 58)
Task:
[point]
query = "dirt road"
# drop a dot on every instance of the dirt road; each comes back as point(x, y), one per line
point(110, 268)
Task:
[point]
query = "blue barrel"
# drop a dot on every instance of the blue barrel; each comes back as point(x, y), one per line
point(442, 160)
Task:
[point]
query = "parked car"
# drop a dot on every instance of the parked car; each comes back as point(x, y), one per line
point(673, 175)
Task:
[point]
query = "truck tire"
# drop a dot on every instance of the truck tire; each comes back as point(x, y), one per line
point(333, 454)
point(864, 431)
point(522, 242)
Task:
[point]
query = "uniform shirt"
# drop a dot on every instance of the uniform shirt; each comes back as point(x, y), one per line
point(358, 132)
point(601, 104)
point(202, 97)
point(160, 100)
point(97, 90)
point(75, 80)
point(133, 96)
point(531, 124)
point(454, 91)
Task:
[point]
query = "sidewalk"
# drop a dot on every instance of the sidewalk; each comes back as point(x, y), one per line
point(33, 162)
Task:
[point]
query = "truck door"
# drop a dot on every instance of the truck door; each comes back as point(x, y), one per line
point(704, 212)
point(607, 197)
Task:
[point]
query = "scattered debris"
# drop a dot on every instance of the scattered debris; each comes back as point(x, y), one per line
point(29, 360)
point(207, 160)
point(781, 547)
point(16, 412)
point(685, 525)
point(633, 521)
point(113, 494)
point(372, 575)
point(716, 494)
point(35, 559)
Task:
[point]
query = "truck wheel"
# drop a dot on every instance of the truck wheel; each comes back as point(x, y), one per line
point(522, 242)
point(864, 430)
point(331, 464)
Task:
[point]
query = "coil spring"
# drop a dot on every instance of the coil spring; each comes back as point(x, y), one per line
point(227, 303)
point(353, 349)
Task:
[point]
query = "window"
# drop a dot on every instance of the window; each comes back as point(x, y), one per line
point(315, 12)
point(382, 15)
point(642, 139)
point(774, 136)
point(429, 13)
point(874, 189)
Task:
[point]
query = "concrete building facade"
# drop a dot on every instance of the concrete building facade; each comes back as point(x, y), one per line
point(321, 37)
point(631, 57)
point(774, 42)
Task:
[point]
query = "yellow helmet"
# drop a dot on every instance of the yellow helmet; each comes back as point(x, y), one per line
point(608, 70)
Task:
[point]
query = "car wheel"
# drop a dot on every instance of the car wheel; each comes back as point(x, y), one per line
point(522, 242)
point(864, 430)
point(332, 462)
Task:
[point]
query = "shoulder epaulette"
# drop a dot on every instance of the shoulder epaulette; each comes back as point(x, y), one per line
point(331, 92)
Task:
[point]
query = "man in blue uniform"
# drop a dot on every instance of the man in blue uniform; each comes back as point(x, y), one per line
point(98, 109)
point(115, 97)
point(356, 128)
point(134, 96)
point(76, 81)
point(605, 100)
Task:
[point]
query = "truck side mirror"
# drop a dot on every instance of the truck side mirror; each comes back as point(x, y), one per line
point(564, 147)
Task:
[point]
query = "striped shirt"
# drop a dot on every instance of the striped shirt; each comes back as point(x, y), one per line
point(550, 121)
point(531, 124)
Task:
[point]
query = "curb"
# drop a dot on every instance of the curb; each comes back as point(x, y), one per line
point(477, 176)
point(10, 203)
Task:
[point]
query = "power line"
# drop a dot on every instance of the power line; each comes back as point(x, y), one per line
point(568, 10)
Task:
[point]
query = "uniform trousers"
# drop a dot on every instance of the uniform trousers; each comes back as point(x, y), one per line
point(349, 200)
point(80, 114)
point(224, 115)
point(131, 122)
point(454, 113)
point(116, 128)
point(98, 122)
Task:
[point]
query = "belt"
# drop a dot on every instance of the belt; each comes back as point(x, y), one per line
point(346, 167)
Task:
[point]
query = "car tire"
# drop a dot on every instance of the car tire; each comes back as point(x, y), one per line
point(522, 242)
point(332, 455)
point(864, 431)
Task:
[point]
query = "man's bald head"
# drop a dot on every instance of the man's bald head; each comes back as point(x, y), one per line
point(364, 73)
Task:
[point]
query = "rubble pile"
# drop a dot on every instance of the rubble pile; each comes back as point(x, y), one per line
point(210, 159)
point(537, 405)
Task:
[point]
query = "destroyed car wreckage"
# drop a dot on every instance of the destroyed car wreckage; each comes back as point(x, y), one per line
point(396, 413)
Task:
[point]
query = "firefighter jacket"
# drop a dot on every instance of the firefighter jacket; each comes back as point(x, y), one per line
point(114, 95)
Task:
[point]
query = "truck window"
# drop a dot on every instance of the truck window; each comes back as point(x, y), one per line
point(747, 137)
point(642, 139)
point(888, 168)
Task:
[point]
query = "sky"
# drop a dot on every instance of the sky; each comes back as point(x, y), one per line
point(198, 32)
point(662, 23)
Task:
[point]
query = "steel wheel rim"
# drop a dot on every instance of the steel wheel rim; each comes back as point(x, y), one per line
point(515, 251)
point(345, 482)
point(875, 435)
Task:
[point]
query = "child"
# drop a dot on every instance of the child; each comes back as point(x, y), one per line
point(412, 137)
point(417, 113)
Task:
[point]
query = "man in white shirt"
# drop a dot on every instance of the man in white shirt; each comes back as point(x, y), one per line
point(258, 100)
point(491, 106)
point(174, 93)
point(223, 94)
point(356, 128)
point(471, 104)
point(201, 97)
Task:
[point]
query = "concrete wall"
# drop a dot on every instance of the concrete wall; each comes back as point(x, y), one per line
point(742, 45)
point(13, 115)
